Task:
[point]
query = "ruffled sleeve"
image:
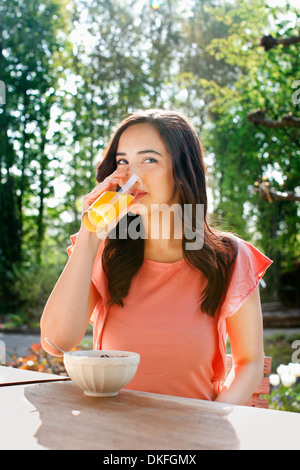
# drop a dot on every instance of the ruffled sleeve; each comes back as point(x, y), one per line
point(100, 282)
point(248, 268)
point(71, 247)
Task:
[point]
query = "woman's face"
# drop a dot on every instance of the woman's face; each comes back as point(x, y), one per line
point(144, 152)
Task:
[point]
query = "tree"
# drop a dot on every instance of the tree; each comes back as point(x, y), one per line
point(245, 154)
point(124, 67)
point(30, 43)
point(268, 42)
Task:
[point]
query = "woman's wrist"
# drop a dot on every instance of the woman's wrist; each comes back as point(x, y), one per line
point(89, 240)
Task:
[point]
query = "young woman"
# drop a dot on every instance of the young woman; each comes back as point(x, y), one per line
point(159, 296)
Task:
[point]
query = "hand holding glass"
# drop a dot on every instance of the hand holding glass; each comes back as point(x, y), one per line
point(111, 206)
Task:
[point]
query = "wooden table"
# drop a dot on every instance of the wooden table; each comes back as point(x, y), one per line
point(57, 415)
point(13, 376)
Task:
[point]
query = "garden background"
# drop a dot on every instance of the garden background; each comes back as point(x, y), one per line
point(71, 69)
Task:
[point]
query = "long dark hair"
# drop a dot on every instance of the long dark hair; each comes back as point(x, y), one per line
point(123, 257)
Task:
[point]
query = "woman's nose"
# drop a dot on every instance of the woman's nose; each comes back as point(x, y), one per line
point(133, 169)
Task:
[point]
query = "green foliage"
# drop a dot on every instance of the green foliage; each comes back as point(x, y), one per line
point(31, 45)
point(38, 360)
point(285, 398)
point(282, 397)
point(33, 285)
point(279, 347)
point(243, 153)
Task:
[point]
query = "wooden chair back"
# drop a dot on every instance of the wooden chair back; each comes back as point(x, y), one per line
point(264, 387)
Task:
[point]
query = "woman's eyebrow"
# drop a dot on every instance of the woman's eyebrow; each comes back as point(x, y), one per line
point(150, 151)
point(140, 152)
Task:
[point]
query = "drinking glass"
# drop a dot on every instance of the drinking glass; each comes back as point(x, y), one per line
point(111, 206)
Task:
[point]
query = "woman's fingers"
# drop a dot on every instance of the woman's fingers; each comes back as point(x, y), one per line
point(118, 177)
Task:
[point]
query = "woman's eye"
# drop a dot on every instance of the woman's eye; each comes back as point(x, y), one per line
point(123, 161)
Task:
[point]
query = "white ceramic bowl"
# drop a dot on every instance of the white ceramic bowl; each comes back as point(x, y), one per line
point(101, 376)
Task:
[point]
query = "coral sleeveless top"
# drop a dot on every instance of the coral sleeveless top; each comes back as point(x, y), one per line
point(182, 349)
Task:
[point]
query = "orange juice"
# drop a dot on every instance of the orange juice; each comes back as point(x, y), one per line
point(105, 210)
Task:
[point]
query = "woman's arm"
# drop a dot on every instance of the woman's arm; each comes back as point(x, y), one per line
point(245, 331)
point(72, 301)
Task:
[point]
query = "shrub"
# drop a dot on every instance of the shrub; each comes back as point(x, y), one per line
point(32, 286)
point(285, 388)
point(38, 360)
